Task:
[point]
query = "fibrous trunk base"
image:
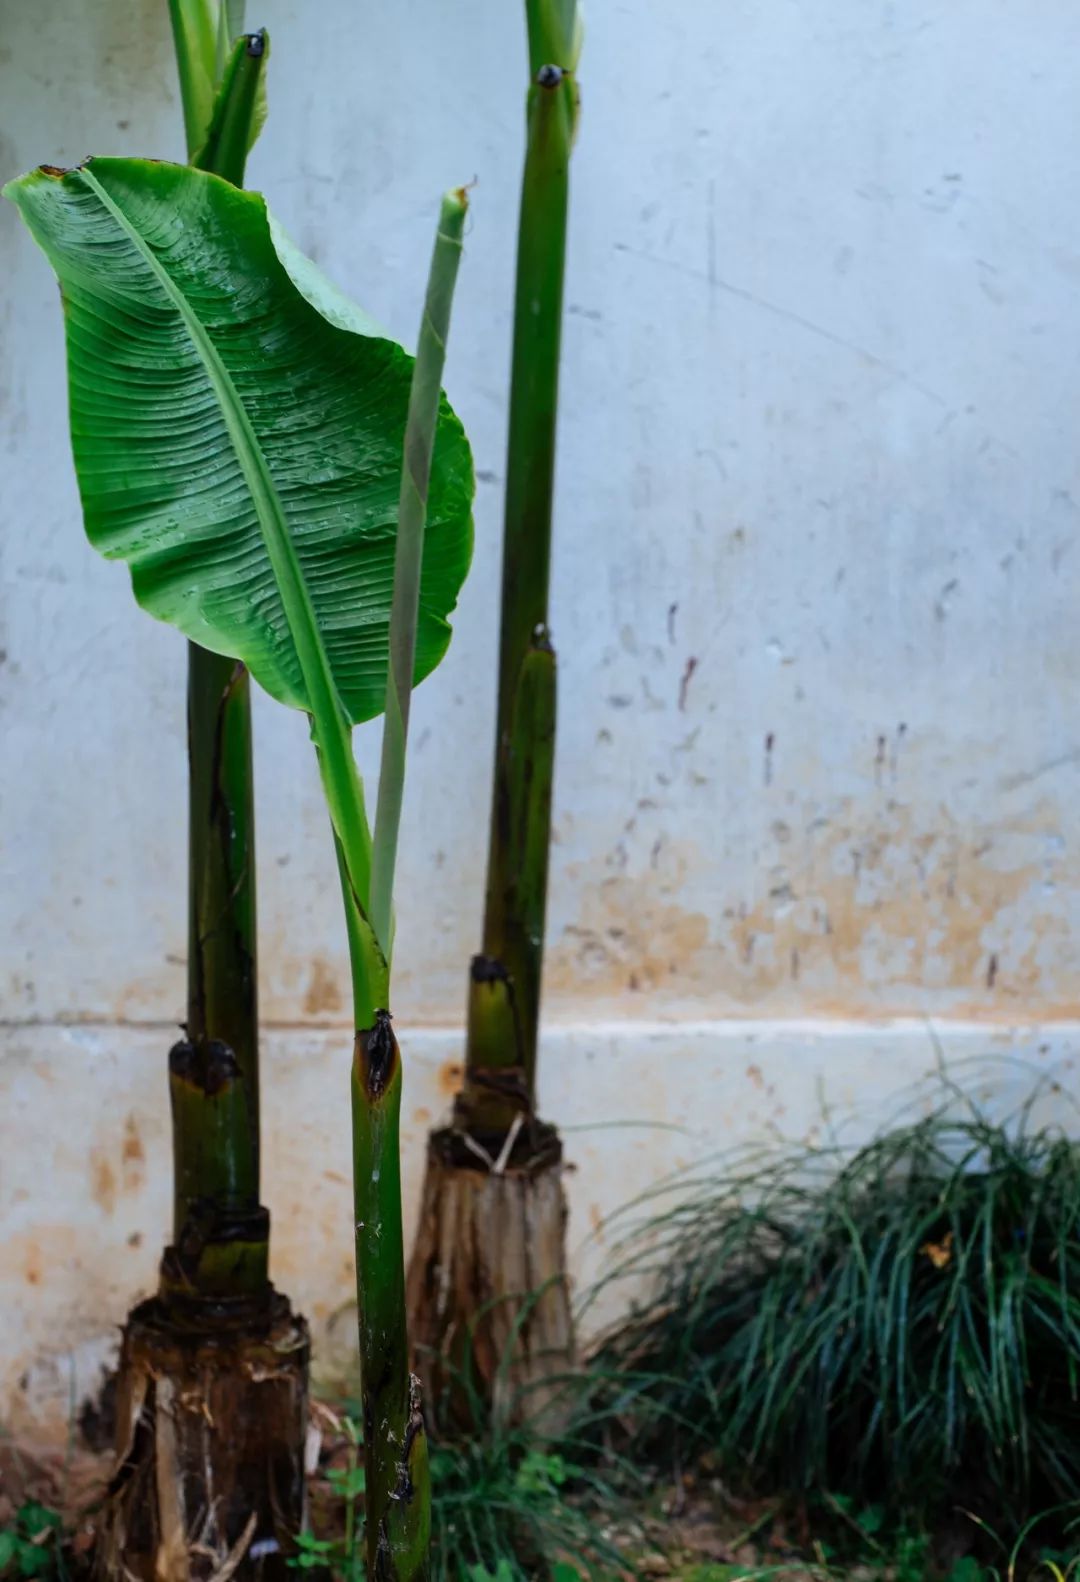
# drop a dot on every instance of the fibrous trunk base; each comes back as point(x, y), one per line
point(488, 1296)
point(211, 1429)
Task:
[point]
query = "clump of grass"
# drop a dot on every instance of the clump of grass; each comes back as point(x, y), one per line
point(901, 1324)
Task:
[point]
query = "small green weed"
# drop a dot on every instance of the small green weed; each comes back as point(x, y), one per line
point(505, 1508)
point(30, 1546)
point(343, 1556)
point(518, 1511)
point(865, 1534)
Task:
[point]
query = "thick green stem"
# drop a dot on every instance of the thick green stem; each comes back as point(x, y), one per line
point(504, 981)
point(220, 1231)
point(220, 1234)
point(397, 1488)
point(195, 40)
point(504, 991)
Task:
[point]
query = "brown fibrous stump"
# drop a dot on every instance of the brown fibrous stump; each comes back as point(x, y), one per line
point(488, 1297)
point(210, 1437)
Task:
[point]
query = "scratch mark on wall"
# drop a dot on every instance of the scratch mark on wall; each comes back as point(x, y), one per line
point(791, 316)
point(1026, 777)
point(684, 683)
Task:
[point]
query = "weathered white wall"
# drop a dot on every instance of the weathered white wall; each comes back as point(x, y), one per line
point(815, 597)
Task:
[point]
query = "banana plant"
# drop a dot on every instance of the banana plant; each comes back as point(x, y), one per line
point(238, 428)
point(492, 1215)
point(220, 1246)
point(504, 990)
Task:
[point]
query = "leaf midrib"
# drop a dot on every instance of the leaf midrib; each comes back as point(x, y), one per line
point(331, 727)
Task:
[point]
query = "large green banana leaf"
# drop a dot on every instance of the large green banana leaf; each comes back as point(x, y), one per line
point(237, 428)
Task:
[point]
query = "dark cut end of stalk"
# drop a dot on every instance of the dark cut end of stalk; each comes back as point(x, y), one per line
point(375, 1055)
point(488, 969)
point(256, 44)
point(208, 1067)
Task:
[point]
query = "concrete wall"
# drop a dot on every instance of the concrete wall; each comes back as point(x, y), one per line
point(815, 595)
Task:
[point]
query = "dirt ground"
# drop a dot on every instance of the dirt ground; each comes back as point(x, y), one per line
point(689, 1531)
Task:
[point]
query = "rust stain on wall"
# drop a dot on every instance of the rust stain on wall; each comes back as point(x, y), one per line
point(323, 993)
point(117, 1170)
point(451, 1074)
point(102, 1181)
point(32, 1256)
point(628, 939)
point(132, 1156)
point(132, 1153)
point(875, 910)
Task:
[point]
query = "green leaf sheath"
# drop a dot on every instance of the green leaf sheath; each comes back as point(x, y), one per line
point(195, 26)
point(420, 429)
point(504, 996)
point(398, 1494)
point(240, 102)
point(231, 15)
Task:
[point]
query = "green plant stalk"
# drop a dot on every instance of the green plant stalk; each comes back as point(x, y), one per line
point(350, 1512)
point(220, 1232)
point(231, 15)
point(397, 1484)
point(408, 552)
point(504, 991)
point(195, 29)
